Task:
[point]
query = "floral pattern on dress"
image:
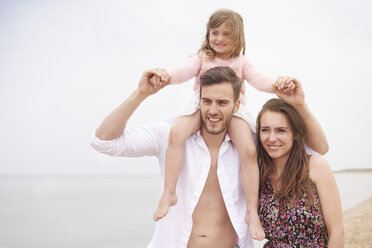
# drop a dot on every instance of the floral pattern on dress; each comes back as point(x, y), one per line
point(293, 223)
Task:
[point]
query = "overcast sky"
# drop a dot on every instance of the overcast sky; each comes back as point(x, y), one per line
point(64, 65)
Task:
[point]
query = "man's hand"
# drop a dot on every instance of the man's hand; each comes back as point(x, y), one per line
point(114, 124)
point(289, 89)
point(152, 81)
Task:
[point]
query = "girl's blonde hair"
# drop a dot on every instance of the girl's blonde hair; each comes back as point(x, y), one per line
point(235, 21)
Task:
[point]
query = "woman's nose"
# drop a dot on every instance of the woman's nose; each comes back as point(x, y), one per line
point(272, 136)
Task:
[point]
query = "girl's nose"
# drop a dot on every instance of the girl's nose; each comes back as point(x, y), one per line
point(220, 37)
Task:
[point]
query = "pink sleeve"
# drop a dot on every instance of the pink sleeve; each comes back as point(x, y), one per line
point(258, 80)
point(186, 72)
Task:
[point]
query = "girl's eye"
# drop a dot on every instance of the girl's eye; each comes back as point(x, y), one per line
point(264, 129)
point(281, 130)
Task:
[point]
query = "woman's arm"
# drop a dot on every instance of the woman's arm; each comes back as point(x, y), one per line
point(315, 136)
point(322, 177)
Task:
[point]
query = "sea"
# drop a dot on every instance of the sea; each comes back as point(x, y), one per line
point(101, 211)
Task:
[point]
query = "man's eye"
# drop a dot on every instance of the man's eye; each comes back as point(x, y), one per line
point(222, 103)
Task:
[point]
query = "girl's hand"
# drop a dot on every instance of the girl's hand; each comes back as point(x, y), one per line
point(285, 84)
point(295, 96)
point(159, 79)
point(152, 81)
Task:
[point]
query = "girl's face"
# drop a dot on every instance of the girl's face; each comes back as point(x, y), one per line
point(221, 41)
point(276, 136)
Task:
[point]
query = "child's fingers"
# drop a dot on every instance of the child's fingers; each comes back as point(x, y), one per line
point(163, 74)
point(280, 84)
point(289, 87)
point(285, 84)
point(155, 81)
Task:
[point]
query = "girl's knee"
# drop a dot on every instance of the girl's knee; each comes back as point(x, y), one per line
point(176, 136)
point(250, 151)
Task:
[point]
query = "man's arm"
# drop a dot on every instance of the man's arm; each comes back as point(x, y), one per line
point(114, 124)
point(315, 137)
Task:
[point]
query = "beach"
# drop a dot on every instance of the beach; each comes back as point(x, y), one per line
point(358, 225)
point(116, 211)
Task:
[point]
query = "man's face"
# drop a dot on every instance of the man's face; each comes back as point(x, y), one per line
point(217, 106)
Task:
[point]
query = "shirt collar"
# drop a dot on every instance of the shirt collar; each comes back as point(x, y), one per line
point(197, 135)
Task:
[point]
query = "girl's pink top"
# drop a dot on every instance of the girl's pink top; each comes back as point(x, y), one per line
point(196, 66)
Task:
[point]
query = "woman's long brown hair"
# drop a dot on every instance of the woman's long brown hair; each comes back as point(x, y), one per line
point(294, 182)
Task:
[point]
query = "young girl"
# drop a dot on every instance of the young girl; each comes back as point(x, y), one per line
point(224, 45)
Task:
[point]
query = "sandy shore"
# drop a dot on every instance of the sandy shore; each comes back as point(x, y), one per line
point(358, 225)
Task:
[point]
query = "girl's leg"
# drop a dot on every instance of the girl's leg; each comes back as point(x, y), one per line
point(242, 138)
point(183, 128)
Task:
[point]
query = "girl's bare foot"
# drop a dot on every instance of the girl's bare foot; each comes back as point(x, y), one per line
point(255, 227)
point(167, 200)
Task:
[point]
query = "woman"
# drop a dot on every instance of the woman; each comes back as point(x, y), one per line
point(299, 200)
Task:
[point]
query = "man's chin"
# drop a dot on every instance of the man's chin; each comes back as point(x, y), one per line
point(215, 131)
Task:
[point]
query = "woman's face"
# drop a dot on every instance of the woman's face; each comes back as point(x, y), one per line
point(276, 135)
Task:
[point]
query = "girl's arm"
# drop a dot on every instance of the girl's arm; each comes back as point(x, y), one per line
point(184, 73)
point(322, 177)
point(255, 78)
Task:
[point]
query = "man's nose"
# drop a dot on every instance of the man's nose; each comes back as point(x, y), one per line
point(213, 109)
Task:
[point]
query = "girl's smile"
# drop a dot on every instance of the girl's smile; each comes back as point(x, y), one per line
point(221, 41)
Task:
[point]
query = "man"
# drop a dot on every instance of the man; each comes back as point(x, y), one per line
point(211, 207)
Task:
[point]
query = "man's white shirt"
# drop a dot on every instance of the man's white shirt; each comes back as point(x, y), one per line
point(174, 229)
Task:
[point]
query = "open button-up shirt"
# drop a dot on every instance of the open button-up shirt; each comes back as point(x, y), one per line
point(174, 229)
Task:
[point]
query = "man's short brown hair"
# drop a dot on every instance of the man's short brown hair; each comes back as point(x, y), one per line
point(221, 74)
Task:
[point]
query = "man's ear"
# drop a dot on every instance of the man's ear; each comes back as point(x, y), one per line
point(236, 105)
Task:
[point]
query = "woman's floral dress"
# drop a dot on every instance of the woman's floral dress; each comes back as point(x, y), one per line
point(292, 223)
